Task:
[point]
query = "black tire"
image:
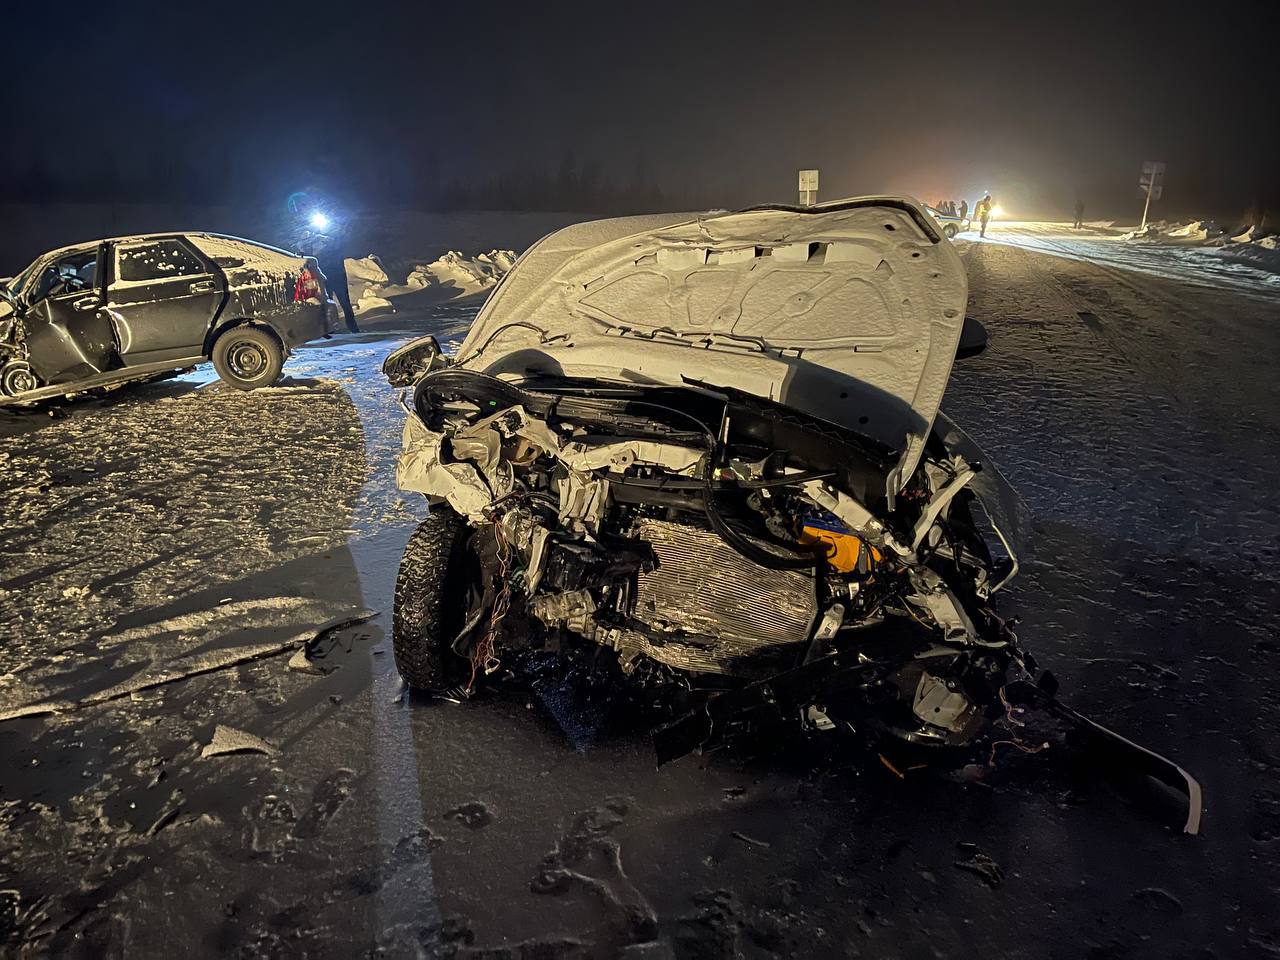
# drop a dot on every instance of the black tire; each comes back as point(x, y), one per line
point(950, 231)
point(16, 377)
point(431, 602)
point(248, 357)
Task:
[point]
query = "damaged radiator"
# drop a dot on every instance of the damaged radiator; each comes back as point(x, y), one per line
point(706, 608)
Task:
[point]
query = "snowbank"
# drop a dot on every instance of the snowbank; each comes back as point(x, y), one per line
point(1251, 247)
point(1259, 250)
point(370, 301)
point(448, 277)
point(468, 274)
point(1197, 231)
point(368, 269)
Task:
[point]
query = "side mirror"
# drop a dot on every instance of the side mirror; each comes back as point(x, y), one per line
point(403, 367)
point(973, 339)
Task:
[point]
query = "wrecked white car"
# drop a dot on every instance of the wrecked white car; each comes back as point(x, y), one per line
point(707, 453)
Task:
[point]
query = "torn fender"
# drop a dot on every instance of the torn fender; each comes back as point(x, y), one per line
point(419, 469)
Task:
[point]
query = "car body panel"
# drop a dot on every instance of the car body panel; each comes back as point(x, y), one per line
point(849, 311)
point(163, 319)
point(65, 335)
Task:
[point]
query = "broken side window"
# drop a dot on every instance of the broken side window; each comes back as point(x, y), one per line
point(70, 274)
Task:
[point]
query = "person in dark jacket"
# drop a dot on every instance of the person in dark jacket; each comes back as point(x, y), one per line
point(964, 209)
point(329, 249)
point(333, 265)
point(1079, 214)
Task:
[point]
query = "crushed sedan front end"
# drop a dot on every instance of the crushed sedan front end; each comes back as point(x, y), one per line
point(708, 452)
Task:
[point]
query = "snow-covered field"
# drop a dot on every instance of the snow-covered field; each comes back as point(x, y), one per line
point(169, 548)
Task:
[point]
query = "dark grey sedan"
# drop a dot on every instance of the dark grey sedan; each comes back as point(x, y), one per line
point(107, 312)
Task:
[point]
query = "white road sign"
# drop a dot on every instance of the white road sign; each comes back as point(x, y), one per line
point(808, 187)
point(1151, 183)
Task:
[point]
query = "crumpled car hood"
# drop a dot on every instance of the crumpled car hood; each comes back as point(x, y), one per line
point(849, 311)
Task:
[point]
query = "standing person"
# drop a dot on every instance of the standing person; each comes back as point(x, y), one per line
point(964, 209)
point(332, 257)
point(330, 252)
point(984, 213)
point(1079, 214)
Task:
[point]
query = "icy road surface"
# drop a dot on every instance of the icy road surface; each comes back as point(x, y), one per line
point(1189, 262)
point(203, 790)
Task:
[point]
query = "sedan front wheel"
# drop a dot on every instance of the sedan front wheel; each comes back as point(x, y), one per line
point(15, 378)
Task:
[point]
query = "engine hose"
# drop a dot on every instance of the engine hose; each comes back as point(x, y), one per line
point(752, 551)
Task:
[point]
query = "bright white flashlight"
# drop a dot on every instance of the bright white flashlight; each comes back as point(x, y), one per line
point(319, 220)
point(997, 212)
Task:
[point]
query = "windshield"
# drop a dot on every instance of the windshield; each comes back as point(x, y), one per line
point(17, 283)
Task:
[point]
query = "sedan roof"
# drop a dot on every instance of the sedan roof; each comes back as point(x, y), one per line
point(167, 235)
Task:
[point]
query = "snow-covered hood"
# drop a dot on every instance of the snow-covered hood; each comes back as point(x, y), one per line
point(849, 311)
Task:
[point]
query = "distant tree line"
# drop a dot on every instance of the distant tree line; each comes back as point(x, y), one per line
point(218, 179)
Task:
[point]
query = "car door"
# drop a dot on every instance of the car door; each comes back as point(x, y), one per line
point(68, 337)
point(162, 297)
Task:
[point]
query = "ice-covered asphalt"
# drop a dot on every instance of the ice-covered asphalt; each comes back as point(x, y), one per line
point(160, 544)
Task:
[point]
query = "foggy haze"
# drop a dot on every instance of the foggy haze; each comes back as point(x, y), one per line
point(577, 106)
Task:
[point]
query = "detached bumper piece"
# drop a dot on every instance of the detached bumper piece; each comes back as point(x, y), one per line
point(1117, 757)
point(716, 721)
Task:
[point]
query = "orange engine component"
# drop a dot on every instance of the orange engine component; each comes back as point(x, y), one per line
point(846, 553)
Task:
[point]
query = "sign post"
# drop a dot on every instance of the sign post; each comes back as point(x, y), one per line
point(808, 188)
point(1152, 180)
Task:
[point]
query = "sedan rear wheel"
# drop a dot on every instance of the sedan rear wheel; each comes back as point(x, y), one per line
point(248, 357)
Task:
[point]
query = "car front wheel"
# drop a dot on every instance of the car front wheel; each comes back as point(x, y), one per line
point(248, 357)
point(950, 231)
point(15, 378)
point(432, 589)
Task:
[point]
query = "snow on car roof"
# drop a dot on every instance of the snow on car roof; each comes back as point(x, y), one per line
point(167, 235)
point(217, 246)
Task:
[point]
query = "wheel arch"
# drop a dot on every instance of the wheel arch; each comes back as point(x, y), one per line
point(222, 326)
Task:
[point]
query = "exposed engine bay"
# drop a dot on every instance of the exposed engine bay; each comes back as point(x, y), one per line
point(741, 560)
point(693, 541)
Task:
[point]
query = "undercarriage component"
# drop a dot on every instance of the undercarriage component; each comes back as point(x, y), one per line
point(707, 609)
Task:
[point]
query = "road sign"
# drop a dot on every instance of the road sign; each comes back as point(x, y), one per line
point(1152, 183)
point(808, 187)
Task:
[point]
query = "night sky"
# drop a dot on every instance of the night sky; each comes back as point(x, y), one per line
point(558, 104)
